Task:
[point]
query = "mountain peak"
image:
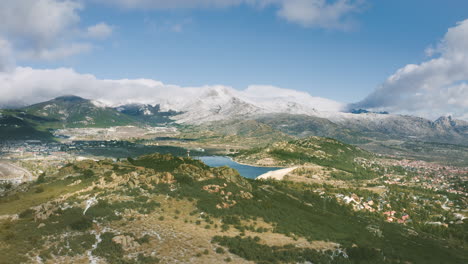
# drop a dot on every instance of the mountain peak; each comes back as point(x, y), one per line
point(444, 118)
point(364, 111)
point(70, 98)
point(445, 121)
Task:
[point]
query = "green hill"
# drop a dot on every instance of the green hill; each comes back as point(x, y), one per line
point(164, 209)
point(74, 111)
point(20, 126)
point(314, 150)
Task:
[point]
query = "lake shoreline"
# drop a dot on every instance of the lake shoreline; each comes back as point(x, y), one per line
point(245, 170)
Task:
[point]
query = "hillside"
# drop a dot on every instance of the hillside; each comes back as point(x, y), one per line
point(221, 109)
point(147, 113)
point(325, 152)
point(163, 209)
point(21, 126)
point(366, 127)
point(74, 111)
point(303, 126)
point(245, 133)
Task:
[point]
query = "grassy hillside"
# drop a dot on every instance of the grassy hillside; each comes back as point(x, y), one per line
point(20, 126)
point(73, 111)
point(159, 208)
point(234, 132)
point(314, 150)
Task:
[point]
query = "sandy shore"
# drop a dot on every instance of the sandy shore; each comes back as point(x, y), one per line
point(254, 164)
point(277, 174)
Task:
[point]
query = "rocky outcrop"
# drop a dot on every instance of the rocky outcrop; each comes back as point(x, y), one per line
point(227, 198)
point(147, 177)
point(127, 242)
point(44, 211)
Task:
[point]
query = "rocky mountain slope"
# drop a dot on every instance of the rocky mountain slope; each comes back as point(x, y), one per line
point(302, 115)
point(362, 128)
point(292, 115)
point(244, 133)
point(147, 113)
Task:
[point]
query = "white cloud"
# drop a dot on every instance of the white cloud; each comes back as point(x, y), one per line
point(309, 13)
point(38, 21)
point(99, 31)
point(46, 29)
point(37, 26)
point(435, 87)
point(28, 86)
point(320, 13)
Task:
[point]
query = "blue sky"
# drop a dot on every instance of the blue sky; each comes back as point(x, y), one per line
point(242, 44)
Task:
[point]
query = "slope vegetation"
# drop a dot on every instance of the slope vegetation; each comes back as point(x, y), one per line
point(21, 126)
point(159, 208)
point(326, 152)
point(74, 111)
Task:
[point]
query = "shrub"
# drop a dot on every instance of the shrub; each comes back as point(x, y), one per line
point(88, 174)
point(110, 250)
point(41, 178)
point(82, 223)
point(144, 239)
point(28, 213)
point(142, 259)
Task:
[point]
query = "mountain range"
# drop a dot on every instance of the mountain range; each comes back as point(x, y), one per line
point(291, 115)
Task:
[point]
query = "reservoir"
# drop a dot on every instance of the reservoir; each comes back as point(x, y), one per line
point(246, 171)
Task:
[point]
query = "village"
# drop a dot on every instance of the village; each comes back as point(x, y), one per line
point(431, 176)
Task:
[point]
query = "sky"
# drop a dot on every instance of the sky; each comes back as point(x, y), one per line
point(408, 57)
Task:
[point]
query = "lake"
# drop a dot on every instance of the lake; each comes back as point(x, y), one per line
point(246, 171)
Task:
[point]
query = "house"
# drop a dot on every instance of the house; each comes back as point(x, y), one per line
point(390, 213)
point(405, 217)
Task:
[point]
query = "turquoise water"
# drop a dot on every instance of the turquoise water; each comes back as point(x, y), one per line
point(246, 171)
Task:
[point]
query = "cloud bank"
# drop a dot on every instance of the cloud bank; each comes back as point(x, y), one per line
point(25, 86)
point(435, 87)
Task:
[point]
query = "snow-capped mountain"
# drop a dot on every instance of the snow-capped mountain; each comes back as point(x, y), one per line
point(199, 105)
point(301, 114)
point(217, 103)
